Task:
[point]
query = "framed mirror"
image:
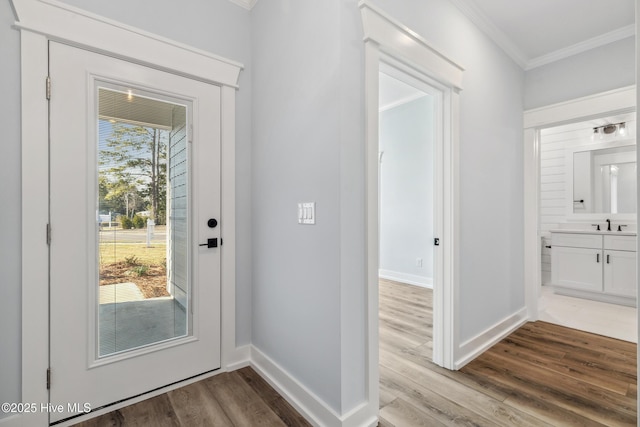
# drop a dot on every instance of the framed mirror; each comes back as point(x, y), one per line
point(601, 181)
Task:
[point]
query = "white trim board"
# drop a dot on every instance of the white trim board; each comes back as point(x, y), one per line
point(410, 279)
point(314, 409)
point(61, 22)
point(39, 22)
point(477, 345)
point(583, 46)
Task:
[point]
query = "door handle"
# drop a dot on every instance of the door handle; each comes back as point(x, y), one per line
point(211, 243)
point(608, 259)
point(597, 257)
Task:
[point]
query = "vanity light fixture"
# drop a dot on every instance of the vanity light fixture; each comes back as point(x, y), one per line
point(622, 129)
point(611, 129)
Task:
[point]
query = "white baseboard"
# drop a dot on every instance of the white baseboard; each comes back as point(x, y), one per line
point(477, 345)
point(314, 409)
point(411, 279)
point(12, 421)
point(238, 359)
point(307, 403)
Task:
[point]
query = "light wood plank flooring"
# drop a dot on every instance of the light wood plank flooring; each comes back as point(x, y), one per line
point(235, 399)
point(541, 375)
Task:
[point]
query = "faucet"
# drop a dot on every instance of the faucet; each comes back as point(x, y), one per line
point(608, 224)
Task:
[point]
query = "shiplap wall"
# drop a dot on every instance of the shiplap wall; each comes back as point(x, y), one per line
point(553, 143)
point(178, 209)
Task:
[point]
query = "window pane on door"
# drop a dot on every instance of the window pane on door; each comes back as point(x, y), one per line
point(142, 221)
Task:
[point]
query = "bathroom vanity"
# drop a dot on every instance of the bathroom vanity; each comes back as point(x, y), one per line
point(598, 265)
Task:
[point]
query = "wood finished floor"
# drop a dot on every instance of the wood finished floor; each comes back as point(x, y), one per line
point(235, 399)
point(541, 375)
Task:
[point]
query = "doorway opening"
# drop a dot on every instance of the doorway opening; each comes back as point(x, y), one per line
point(587, 172)
point(410, 140)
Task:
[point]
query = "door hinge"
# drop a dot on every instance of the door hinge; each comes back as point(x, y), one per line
point(48, 378)
point(48, 87)
point(48, 234)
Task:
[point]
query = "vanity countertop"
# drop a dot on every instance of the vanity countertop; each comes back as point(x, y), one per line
point(601, 232)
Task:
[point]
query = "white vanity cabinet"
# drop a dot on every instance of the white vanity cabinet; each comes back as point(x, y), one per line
point(620, 265)
point(594, 265)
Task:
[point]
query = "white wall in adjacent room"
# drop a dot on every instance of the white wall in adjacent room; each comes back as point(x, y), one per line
point(406, 192)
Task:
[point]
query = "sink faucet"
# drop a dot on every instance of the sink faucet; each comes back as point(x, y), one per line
point(608, 224)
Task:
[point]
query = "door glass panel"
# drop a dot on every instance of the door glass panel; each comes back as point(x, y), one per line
point(142, 221)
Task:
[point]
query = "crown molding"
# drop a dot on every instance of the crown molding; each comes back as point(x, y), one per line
point(471, 11)
point(246, 4)
point(484, 23)
point(592, 43)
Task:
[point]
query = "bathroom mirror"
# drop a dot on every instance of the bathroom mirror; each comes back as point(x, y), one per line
point(603, 178)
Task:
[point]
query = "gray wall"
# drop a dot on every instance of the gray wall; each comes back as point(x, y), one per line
point(406, 189)
point(10, 222)
point(217, 26)
point(308, 145)
point(605, 68)
point(308, 140)
point(491, 180)
point(296, 154)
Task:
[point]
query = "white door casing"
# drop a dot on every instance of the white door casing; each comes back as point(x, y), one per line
point(388, 41)
point(40, 21)
point(81, 375)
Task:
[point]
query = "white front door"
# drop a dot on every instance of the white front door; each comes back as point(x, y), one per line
point(134, 205)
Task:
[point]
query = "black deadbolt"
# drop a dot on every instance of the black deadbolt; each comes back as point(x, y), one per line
point(212, 223)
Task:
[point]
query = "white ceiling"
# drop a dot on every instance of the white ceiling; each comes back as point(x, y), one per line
point(537, 32)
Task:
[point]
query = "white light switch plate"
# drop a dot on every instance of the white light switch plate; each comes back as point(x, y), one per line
point(307, 213)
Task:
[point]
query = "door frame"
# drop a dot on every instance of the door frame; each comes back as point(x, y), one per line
point(612, 102)
point(389, 41)
point(39, 22)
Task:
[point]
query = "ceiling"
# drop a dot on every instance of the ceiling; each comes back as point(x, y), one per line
point(537, 32)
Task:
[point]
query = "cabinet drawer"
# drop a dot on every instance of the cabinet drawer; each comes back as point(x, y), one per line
point(576, 240)
point(620, 243)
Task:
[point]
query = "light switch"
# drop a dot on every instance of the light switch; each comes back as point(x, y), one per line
point(307, 213)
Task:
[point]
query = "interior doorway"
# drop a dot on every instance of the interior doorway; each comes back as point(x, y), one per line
point(588, 177)
point(411, 216)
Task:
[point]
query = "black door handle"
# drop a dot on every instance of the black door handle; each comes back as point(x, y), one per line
point(211, 243)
